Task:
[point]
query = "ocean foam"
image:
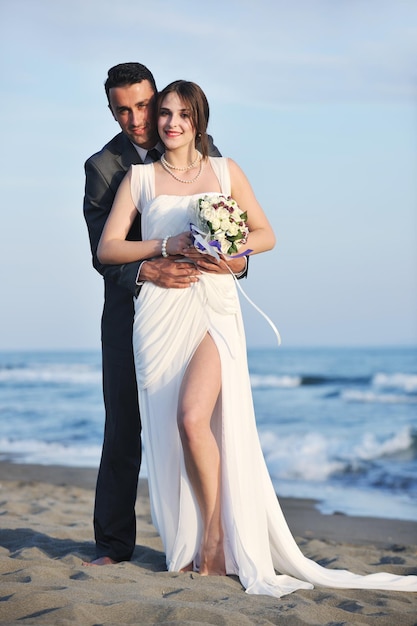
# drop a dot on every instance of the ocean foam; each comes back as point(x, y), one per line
point(55, 374)
point(259, 382)
point(353, 395)
point(43, 453)
point(312, 457)
point(405, 382)
point(372, 447)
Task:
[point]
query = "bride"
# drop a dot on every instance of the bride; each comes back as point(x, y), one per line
point(212, 499)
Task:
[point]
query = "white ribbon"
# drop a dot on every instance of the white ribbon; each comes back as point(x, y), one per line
point(200, 238)
point(203, 242)
point(255, 306)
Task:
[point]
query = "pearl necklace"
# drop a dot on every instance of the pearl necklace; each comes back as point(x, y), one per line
point(181, 169)
point(181, 180)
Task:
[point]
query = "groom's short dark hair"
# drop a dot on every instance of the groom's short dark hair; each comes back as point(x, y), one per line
point(128, 74)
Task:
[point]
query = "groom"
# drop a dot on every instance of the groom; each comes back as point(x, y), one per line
point(131, 94)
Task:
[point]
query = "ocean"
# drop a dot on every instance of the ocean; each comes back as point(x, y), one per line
point(336, 425)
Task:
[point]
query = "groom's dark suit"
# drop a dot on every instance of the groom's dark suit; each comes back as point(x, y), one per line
point(114, 513)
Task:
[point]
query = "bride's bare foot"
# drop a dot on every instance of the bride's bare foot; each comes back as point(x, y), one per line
point(102, 560)
point(212, 562)
point(188, 568)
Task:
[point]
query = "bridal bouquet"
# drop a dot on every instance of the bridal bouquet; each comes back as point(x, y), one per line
point(220, 225)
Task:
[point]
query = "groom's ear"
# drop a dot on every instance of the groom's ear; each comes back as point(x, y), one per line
point(112, 114)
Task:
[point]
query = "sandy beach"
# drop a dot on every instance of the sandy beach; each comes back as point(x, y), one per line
point(46, 534)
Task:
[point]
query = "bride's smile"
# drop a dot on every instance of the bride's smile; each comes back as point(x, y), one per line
point(175, 126)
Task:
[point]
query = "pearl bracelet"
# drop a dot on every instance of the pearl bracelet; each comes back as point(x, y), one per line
point(164, 247)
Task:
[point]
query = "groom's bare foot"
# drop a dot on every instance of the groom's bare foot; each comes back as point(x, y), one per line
point(102, 560)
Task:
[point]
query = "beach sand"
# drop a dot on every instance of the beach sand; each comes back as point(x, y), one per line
point(46, 533)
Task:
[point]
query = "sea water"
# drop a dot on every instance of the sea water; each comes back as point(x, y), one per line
point(336, 425)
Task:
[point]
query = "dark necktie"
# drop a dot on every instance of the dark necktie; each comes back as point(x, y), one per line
point(154, 154)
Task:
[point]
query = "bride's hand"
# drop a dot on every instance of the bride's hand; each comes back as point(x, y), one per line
point(199, 257)
point(178, 243)
point(207, 263)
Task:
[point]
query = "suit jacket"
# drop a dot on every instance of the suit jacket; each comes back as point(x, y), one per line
point(104, 172)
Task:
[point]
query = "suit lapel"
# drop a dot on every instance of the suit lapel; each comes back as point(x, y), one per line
point(129, 155)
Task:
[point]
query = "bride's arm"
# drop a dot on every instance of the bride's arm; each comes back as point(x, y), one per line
point(261, 236)
point(113, 246)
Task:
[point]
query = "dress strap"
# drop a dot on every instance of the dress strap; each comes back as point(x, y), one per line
point(220, 167)
point(142, 185)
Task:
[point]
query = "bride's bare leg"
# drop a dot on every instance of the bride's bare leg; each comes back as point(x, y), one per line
point(199, 393)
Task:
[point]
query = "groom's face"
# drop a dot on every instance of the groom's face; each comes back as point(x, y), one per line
point(133, 107)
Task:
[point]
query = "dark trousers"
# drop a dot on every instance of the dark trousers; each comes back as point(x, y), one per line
point(117, 481)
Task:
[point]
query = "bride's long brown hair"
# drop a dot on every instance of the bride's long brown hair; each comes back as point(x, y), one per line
point(194, 98)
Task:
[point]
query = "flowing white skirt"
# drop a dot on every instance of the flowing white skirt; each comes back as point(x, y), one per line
point(168, 327)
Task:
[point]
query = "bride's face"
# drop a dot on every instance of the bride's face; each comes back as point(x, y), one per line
point(175, 125)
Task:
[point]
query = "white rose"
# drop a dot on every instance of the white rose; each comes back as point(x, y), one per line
point(224, 225)
point(209, 214)
point(223, 213)
point(215, 222)
point(233, 229)
point(204, 204)
point(225, 245)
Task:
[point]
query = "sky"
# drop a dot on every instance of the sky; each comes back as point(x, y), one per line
point(316, 101)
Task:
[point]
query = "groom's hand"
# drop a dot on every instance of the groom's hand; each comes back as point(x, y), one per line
point(170, 273)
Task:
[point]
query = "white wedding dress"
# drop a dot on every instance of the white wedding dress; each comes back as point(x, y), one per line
point(168, 326)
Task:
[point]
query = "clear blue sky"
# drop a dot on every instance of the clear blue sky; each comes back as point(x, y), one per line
point(316, 100)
